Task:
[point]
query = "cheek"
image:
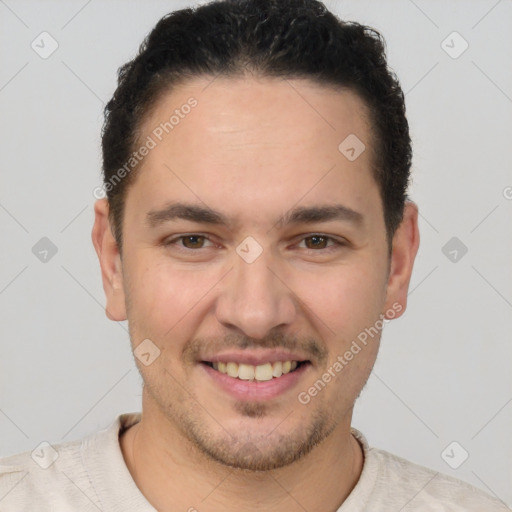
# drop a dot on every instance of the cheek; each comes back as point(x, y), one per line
point(345, 307)
point(345, 299)
point(163, 296)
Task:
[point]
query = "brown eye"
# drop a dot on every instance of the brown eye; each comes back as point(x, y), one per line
point(189, 243)
point(193, 241)
point(316, 242)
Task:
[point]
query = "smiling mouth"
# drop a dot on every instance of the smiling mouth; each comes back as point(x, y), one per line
point(261, 372)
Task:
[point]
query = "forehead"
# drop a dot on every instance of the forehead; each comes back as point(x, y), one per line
point(237, 107)
point(257, 140)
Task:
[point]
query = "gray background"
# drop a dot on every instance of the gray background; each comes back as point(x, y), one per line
point(443, 373)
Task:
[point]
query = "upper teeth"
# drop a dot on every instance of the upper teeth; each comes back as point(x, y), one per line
point(261, 372)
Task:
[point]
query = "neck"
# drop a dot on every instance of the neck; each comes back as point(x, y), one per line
point(174, 475)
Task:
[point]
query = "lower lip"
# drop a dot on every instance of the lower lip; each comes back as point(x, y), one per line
point(253, 389)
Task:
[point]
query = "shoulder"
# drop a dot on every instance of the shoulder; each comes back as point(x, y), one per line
point(54, 477)
point(422, 488)
point(390, 482)
point(47, 478)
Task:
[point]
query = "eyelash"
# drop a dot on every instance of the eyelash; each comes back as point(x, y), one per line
point(337, 244)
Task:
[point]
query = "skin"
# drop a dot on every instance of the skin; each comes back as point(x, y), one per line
point(252, 149)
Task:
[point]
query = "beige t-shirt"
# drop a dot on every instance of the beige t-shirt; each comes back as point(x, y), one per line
point(90, 475)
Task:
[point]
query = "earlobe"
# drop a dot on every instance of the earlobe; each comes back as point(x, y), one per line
point(110, 262)
point(405, 247)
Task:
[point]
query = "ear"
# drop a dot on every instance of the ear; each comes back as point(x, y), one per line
point(406, 241)
point(110, 262)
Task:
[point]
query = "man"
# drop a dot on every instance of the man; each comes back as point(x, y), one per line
point(256, 159)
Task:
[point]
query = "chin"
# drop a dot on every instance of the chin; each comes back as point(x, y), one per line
point(253, 450)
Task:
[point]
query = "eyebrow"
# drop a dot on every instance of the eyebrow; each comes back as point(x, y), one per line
point(298, 215)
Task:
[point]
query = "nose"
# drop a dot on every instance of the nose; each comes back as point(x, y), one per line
point(255, 298)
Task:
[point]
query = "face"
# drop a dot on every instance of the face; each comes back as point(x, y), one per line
point(254, 246)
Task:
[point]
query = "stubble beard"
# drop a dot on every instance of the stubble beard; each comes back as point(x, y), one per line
point(245, 450)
